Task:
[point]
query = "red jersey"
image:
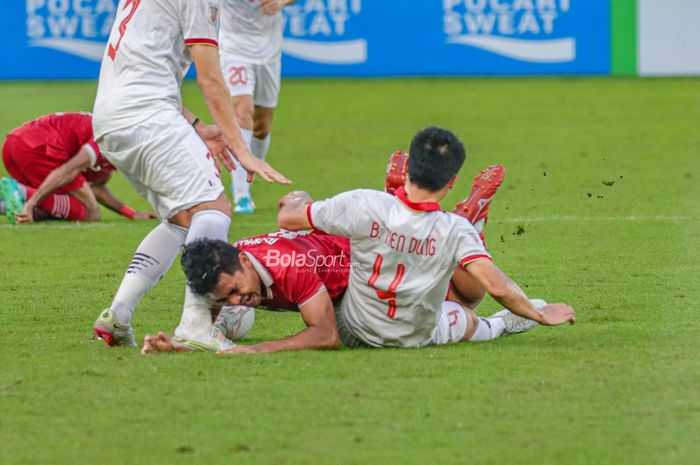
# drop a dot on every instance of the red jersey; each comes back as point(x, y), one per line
point(296, 266)
point(39, 146)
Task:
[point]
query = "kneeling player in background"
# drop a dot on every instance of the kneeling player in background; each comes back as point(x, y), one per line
point(57, 172)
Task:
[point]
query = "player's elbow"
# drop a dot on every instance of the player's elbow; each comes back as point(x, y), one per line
point(329, 339)
point(93, 216)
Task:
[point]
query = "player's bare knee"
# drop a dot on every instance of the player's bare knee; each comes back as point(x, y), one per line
point(261, 128)
point(244, 112)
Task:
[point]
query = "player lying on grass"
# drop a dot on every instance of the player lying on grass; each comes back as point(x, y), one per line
point(57, 172)
point(405, 250)
point(310, 271)
point(280, 271)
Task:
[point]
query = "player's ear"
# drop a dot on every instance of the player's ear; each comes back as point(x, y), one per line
point(245, 262)
point(451, 182)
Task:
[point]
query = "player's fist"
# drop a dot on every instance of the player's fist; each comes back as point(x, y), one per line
point(156, 344)
point(557, 314)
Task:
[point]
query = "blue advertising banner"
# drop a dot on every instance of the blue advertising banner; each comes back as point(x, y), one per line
point(456, 37)
point(65, 39)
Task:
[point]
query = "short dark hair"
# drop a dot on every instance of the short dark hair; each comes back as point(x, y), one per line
point(204, 260)
point(435, 156)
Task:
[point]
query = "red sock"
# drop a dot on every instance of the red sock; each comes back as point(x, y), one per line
point(62, 206)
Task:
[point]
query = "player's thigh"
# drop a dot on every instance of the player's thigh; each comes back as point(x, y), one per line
point(466, 289)
point(453, 324)
point(166, 162)
point(267, 84)
point(245, 111)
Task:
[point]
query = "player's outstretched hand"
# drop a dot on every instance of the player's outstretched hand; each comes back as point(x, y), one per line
point(238, 349)
point(156, 344)
point(295, 197)
point(214, 138)
point(27, 215)
point(254, 165)
point(557, 314)
point(144, 215)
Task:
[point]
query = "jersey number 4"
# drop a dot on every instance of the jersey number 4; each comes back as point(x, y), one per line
point(389, 294)
point(134, 4)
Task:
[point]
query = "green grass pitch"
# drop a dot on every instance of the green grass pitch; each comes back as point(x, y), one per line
point(600, 209)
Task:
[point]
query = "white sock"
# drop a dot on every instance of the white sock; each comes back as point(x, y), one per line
point(493, 326)
point(259, 147)
point(152, 260)
point(241, 188)
point(209, 224)
point(196, 322)
point(487, 329)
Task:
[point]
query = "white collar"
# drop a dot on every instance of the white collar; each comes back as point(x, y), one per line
point(265, 275)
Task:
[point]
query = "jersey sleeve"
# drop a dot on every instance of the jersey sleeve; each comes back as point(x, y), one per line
point(469, 246)
point(337, 215)
point(93, 150)
point(200, 21)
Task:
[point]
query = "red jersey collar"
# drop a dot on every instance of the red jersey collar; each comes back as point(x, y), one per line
point(418, 206)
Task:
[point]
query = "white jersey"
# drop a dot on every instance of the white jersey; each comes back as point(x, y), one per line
point(249, 35)
point(147, 57)
point(403, 255)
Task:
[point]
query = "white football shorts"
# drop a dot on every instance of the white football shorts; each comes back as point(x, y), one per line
point(451, 327)
point(260, 81)
point(452, 324)
point(166, 162)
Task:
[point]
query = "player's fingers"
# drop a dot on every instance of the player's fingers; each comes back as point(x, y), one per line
point(226, 160)
point(274, 176)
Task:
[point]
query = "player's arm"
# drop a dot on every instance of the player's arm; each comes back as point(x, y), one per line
point(320, 331)
point(105, 197)
point(59, 178)
point(215, 93)
point(293, 213)
point(508, 293)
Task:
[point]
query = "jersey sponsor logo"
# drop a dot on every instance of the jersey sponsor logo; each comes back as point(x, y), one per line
point(317, 31)
point(524, 30)
point(76, 27)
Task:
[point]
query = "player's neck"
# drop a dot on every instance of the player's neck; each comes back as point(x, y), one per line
point(417, 195)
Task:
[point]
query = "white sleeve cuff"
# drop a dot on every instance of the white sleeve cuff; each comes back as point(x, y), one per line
point(92, 154)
